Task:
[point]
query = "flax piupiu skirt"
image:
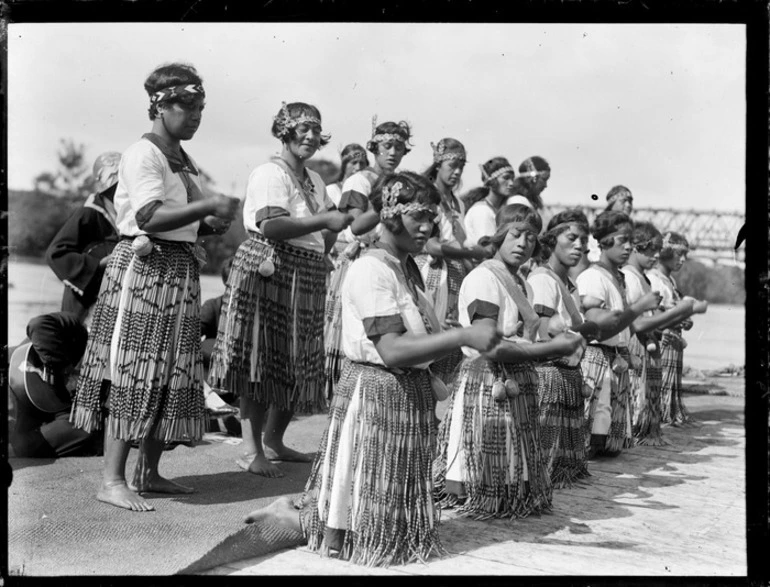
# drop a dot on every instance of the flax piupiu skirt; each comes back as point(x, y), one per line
point(145, 340)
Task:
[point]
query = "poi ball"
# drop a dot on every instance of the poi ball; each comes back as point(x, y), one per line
point(266, 268)
point(498, 390)
point(684, 344)
point(587, 391)
point(512, 388)
point(556, 325)
point(651, 347)
point(142, 246)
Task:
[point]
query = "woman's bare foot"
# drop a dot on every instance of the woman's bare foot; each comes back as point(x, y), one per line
point(245, 460)
point(118, 494)
point(260, 465)
point(160, 485)
point(279, 513)
point(278, 451)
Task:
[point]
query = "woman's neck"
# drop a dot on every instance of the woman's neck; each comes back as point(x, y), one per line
point(297, 164)
point(634, 262)
point(444, 189)
point(494, 199)
point(388, 242)
point(159, 129)
point(558, 267)
point(604, 260)
point(513, 269)
point(664, 270)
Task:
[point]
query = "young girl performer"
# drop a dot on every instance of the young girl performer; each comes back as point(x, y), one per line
point(560, 386)
point(619, 199)
point(483, 203)
point(269, 347)
point(389, 144)
point(354, 159)
point(646, 377)
point(605, 363)
point(490, 463)
point(445, 260)
point(370, 494)
point(672, 256)
point(534, 173)
point(144, 346)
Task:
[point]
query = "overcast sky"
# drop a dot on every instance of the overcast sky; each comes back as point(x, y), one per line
point(659, 108)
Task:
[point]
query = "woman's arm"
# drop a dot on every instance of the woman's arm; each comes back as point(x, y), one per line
point(164, 218)
point(287, 227)
point(680, 311)
point(363, 221)
point(454, 251)
point(406, 350)
point(611, 322)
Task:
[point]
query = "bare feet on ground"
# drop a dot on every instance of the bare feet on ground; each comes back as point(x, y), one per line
point(118, 494)
point(259, 465)
point(161, 485)
point(277, 451)
point(279, 513)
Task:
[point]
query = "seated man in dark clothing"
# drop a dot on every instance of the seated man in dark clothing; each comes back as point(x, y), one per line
point(79, 252)
point(41, 378)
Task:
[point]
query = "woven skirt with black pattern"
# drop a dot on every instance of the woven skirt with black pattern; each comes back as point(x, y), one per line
point(145, 339)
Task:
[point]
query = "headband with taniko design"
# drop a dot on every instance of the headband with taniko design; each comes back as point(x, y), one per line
point(441, 153)
point(391, 207)
point(494, 175)
point(623, 196)
point(177, 92)
point(676, 247)
point(286, 122)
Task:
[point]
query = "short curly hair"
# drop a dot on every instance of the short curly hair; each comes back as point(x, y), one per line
point(401, 129)
point(167, 75)
point(548, 238)
point(416, 188)
point(296, 109)
point(606, 223)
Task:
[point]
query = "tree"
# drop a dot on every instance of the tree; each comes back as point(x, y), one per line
point(72, 180)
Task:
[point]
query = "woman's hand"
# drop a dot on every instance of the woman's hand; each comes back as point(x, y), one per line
point(567, 343)
point(700, 306)
point(649, 301)
point(482, 336)
point(337, 221)
point(218, 225)
point(224, 207)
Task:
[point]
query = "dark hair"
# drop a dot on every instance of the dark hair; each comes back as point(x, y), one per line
point(479, 193)
point(226, 265)
point(672, 238)
point(645, 235)
point(415, 188)
point(166, 76)
point(347, 155)
point(506, 216)
point(571, 216)
point(618, 190)
point(606, 223)
point(451, 145)
point(524, 185)
point(401, 129)
point(296, 109)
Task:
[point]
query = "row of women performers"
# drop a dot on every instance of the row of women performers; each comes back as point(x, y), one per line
point(543, 376)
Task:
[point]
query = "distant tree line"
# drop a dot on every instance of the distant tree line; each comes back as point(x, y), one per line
point(36, 216)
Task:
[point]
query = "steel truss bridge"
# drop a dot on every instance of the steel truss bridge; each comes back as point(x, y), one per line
point(711, 233)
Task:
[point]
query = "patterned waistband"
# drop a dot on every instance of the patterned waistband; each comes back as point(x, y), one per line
point(160, 241)
point(286, 248)
point(391, 370)
point(610, 348)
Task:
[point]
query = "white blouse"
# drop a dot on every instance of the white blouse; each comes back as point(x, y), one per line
point(547, 297)
point(479, 221)
point(271, 193)
point(483, 295)
point(377, 300)
point(593, 282)
point(144, 176)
